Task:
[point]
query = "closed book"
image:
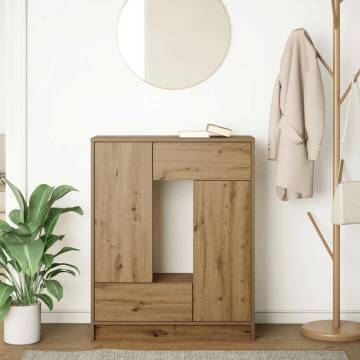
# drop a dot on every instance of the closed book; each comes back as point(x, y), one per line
point(219, 130)
point(194, 134)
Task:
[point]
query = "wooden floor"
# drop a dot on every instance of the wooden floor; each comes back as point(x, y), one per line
point(63, 337)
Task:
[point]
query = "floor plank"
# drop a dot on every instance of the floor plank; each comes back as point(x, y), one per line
point(76, 337)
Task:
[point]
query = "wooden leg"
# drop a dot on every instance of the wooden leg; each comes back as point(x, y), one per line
point(92, 331)
point(253, 332)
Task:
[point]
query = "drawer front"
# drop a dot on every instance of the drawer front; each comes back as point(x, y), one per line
point(143, 302)
point(202, 161)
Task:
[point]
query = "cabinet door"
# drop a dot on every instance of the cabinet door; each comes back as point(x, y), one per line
point(222, 251)
point(123, 212)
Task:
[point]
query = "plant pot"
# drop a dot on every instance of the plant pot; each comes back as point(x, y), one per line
point(22, 324)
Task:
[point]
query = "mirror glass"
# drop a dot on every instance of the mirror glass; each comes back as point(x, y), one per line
point(174, 44)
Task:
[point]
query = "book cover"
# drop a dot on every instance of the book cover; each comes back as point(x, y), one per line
point(219, 130)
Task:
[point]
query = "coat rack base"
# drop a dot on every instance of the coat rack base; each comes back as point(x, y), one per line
point(324, 331)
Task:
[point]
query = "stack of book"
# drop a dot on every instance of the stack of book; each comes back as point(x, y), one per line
point(211, 131)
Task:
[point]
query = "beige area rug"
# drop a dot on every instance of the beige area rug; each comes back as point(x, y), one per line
point(184, 355)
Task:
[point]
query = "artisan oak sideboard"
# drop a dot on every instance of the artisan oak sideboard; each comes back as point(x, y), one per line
point(128, 300)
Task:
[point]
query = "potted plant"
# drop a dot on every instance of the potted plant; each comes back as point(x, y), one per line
point(28, 269)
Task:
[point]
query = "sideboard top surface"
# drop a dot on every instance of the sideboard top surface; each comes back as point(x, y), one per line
point(118, 138)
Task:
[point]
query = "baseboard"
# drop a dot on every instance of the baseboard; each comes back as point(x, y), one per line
point(66, 317)
point(262, 317)
point(301, 317)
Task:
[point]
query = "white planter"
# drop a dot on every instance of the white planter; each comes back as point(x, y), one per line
point(22, 324)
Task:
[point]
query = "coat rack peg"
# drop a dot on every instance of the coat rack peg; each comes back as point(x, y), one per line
point(320, 57)
point(326, 65)
point(322, 238)
point(340, 171)
point(355, 78)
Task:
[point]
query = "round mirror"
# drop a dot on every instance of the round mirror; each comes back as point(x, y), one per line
point(174, 44)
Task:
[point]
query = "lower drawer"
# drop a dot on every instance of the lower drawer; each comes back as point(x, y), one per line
point(194, 336)
point(143, 302)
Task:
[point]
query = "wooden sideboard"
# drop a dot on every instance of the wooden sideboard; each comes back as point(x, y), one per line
point(127, 298)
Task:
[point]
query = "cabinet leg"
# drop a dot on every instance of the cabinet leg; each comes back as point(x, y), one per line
point(253, 333)
point(92, 332)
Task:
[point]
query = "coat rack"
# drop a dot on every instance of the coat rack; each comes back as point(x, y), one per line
point(334, 330)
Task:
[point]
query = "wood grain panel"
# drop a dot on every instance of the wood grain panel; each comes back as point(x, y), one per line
point(222, 251)
point(202, 161)
point(143, 302)
point(173, 278)
point(123, 212)
point(175, 334)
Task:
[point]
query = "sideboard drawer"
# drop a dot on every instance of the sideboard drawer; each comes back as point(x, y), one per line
point(143, 302)
point(202, 161)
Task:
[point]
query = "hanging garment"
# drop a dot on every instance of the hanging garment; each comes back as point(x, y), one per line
point(297, 118)
point(346, 202)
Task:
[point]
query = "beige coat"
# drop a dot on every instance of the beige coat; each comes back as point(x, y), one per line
point(297, 118)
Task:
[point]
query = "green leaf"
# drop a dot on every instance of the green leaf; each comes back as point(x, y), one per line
point(5, 227)
point(46, 299)
point(3, 256)
point(47, 260)
point(54, 265)
point(50, 240)
point(15, 216)
point(5, 308)
point(22, 230)
point(5, 291)
point(5, 276)
point(51, 220)
point(39, 204)
point(61, 191)
point(54, 273)
point(20, 199)
point(54, 288)
point(28, 255)
point(15, 265)
point(66, 249)
point(15, 237)
point(54, 215)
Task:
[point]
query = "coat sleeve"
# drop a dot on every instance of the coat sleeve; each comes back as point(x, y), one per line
point(314, 109)
point(275, 116)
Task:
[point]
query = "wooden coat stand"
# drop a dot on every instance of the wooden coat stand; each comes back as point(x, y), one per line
point(334, 330)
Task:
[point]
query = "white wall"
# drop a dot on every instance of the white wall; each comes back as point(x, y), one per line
point(80, 87)
point(131, 36)
point(4, 66)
